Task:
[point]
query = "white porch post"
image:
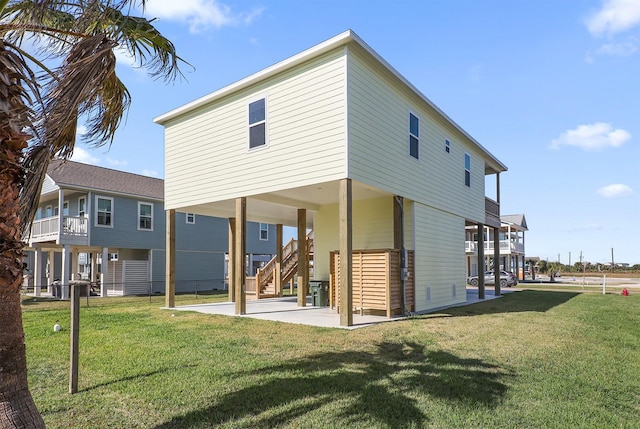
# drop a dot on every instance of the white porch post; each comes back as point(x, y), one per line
point(94, 274)
point(75, 266)
point(105, 271)
point(37, 271)
point(50, 271)
point(60, 217)
point(65, 275)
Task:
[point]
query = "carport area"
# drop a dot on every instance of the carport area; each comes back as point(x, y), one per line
point(286, 310)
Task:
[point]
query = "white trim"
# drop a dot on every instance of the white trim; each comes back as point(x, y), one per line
point(140, 215)
point(347, 121)
point(96, 212)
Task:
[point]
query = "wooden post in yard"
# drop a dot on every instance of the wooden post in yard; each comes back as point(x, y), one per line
point(75, 336)
point(240, 256)
point(345, 221)
point(231, 268)
point(277, 273)
point(303, 258)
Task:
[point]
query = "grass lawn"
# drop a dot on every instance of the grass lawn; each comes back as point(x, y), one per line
point(533, 359)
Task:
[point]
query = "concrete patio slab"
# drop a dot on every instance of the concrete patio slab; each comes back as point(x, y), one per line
point(286, 310)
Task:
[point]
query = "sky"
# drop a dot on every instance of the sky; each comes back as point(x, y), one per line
point(549, 87)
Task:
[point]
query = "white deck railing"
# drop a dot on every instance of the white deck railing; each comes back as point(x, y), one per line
point(49, 228)
point(506, 246)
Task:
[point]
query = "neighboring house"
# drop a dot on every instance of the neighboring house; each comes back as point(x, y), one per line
point(112, 226)
point(511, 244)
point(335, 140)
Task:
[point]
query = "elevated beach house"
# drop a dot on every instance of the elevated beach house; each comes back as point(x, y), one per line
point(335, 140)
point(97, 223)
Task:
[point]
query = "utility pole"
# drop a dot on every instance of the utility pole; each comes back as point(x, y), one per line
point(570, 261)
point(612, 264)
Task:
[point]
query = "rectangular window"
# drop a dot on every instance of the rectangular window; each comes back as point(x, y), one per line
point(414, 136)
point(264, 231)
point(467, 169)
point(82, 207)
point(447, 146)
point(65, 208)
point(257, 124)
point(48, 211)
point(191, 218)
point(145, 216)
point(56, 211)
point(104, 211)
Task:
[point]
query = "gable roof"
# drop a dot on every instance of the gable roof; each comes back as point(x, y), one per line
point(77, 175)
point(515, 219)
point(342, 39)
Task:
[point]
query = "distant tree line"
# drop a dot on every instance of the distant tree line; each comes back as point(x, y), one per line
point(546, 267)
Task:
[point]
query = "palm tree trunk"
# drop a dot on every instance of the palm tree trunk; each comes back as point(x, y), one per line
point(17, 408)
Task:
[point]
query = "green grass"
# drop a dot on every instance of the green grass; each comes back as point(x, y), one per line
point(531, 359)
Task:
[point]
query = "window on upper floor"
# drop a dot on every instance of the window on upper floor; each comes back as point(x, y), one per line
point(264, 231)
point(414, 136)
point(104, 211)
point(447, 146)
point(467, 169)
point(145, 216)
point(48, 211)
point(258, 123)
point(82, 207)
point(190, 218)
point(65, 208)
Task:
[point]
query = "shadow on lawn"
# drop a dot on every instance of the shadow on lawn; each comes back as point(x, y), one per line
point(515, 302)
point(391, 386)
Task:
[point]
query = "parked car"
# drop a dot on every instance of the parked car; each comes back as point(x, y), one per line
point(507, 279)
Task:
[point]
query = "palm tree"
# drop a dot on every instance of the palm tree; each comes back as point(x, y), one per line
point(40, 107)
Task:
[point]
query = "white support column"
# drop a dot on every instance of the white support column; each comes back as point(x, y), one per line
point(75, 267)
point(94, 260)
point(104, 275)
point(50, 271)
point(37, 271)
point(65, 275)
point(60, 216)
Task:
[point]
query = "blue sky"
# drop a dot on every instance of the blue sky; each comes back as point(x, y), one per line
point(550, 87)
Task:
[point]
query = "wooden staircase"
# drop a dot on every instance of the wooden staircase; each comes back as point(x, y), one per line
point(264, 280)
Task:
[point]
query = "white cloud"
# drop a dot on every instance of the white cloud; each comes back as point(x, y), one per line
point(151, 173)
point(596, 136)
point(624, 49)
point(586, 227)
point(614, 17)
point(83, 156)
point(81, 130)
point(615, 190)
point(200, 14)
point(116, 162)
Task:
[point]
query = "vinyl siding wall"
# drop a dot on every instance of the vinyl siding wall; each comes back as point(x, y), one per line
point(439, 258)
point(206, 151)
point(379, 110)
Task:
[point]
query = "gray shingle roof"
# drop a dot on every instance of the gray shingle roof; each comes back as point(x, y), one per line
point(516, 219)
point(91, 177)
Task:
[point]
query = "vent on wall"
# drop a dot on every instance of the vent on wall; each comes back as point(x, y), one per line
point(453, 291)
point(428, 293)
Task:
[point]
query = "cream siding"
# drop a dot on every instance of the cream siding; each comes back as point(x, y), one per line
point(372, 229)
point(207, 156)
point(439, 258)
point(379, 109)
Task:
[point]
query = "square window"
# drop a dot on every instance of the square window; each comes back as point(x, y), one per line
point(191, 218)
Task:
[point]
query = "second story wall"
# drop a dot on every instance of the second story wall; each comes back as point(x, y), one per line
point(380, 107)
point(208, 157)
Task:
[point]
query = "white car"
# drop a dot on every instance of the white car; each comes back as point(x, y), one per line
point(506, 279)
